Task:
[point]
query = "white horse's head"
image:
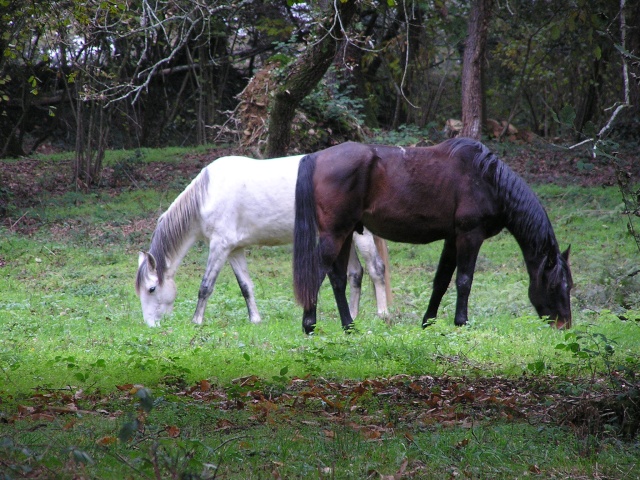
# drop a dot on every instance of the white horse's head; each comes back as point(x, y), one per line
point(156, 294)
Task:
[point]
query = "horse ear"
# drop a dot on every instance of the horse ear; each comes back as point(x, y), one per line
point(150, 260)
point(565, 254)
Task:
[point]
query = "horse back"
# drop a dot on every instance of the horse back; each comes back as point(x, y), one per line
point(251, 201)
point(425, 194)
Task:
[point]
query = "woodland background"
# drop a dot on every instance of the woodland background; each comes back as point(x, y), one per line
point(111, 74)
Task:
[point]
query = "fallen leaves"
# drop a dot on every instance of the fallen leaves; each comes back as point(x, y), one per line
point(374, 408)
point(49, 405)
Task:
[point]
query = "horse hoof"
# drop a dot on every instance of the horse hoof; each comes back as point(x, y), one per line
point(428, 323)
point(349, 328)
point(308, 330)
point(460, 323)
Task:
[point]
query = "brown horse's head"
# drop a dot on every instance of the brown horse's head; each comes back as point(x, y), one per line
point(550, 291)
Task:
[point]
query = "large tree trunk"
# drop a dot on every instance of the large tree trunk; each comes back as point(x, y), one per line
point(303, 76)
point(473, 112)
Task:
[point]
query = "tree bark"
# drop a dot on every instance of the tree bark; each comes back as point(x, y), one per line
point(473, 111)
point(303, 76)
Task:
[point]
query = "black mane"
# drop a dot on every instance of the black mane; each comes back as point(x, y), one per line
point(525, 216)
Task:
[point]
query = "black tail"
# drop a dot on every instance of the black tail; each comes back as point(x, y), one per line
point(306, 259)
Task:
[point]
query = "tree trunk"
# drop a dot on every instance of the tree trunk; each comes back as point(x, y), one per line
point(303, 76)
point(92, 131)
point(473, 111)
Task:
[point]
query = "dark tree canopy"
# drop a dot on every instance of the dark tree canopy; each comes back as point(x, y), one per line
point(86, 76)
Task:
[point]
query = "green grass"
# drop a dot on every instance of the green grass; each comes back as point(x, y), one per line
point(111, 157)
point(71, 330)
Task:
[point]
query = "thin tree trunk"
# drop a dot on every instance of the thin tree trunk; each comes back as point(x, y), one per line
point(92, 131)
point(303, 76)
point(473, 111)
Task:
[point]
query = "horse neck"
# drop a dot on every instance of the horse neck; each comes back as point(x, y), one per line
point(178, 227)
point(169, 259)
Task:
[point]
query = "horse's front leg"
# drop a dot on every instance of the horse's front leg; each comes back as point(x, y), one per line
point(215, 262)
point(441, 281)
point(238, 262)
point(338, 278)
point(467, 246)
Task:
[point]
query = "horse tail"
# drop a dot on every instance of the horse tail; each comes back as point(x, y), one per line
point(306, 254)
point(383, 251)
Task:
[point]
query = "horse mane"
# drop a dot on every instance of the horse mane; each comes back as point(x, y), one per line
point(525, 216)
point(174, 224)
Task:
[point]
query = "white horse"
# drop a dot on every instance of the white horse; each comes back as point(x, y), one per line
point(233, 203)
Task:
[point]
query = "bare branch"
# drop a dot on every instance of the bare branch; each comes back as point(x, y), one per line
point(618, 107)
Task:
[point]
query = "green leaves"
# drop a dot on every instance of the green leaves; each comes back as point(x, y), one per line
point(537, 367)
point(567, 115)
point(282, 378)
point(82, 374)
point(128, 431)
point(597, 52)
point(146, 399)
point(592, 350)
point(33, 81)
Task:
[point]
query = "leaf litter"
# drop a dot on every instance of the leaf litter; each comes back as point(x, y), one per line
point(376, 408)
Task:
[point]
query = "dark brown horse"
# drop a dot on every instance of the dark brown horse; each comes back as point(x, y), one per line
point(457, 191)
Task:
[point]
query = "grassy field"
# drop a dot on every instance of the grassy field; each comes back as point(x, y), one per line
point(88, 391)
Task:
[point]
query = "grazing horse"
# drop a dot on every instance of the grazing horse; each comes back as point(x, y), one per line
point(457, 191)
point(233, 203)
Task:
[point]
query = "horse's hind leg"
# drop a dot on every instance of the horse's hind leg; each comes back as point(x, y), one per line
point(309, 315)
point(309, 320)
point(238, 262)
point(441, 281)
point(376, 268)
point(354, 274)
point(338, 277)
point(215, 262)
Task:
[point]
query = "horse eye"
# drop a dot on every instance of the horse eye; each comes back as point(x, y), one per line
point(152, 289)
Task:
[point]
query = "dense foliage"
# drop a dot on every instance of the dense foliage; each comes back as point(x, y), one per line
point(116, 73)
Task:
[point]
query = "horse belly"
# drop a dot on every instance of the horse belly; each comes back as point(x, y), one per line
point(268, 226)
point(413, 228)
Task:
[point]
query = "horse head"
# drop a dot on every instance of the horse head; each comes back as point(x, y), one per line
point(157, 294)
point(550, 293)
